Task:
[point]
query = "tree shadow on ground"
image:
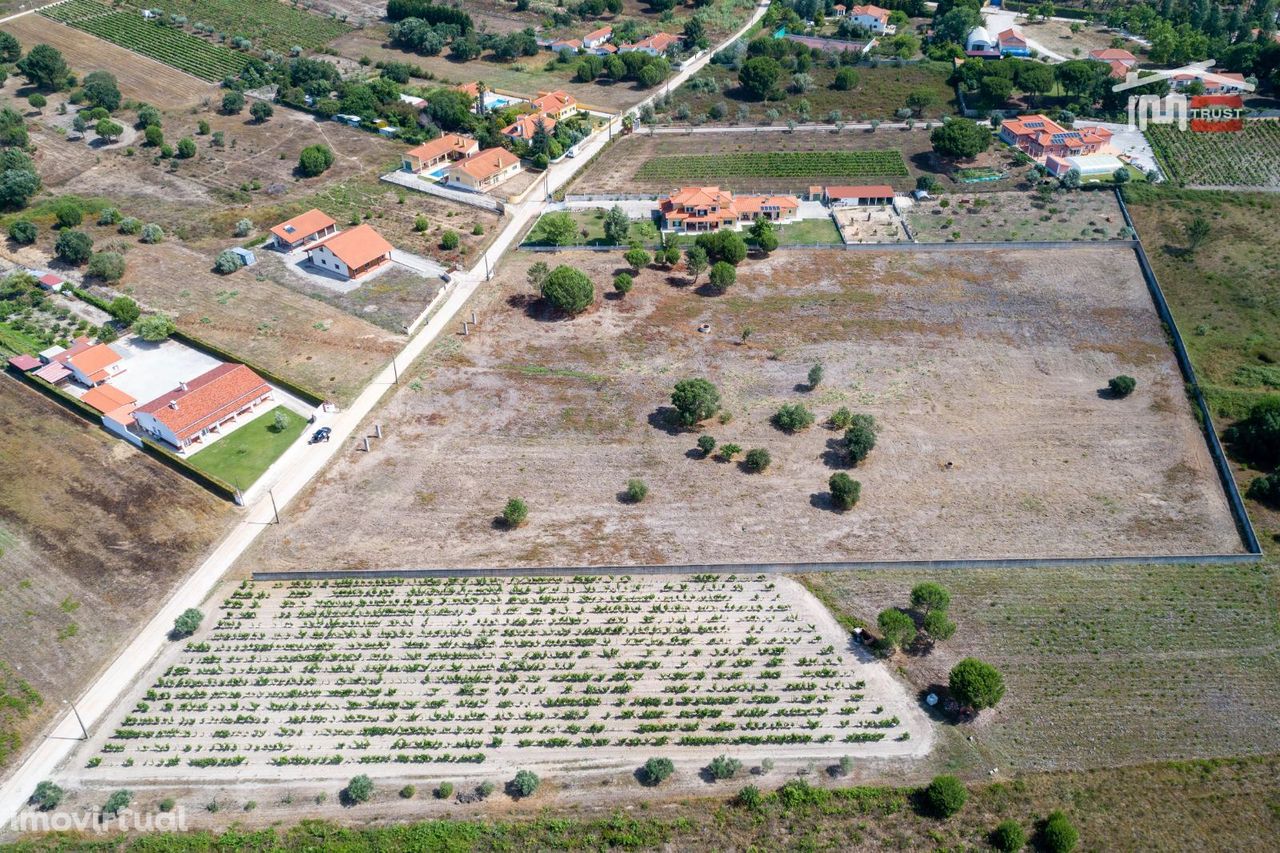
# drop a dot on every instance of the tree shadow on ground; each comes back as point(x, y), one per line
point(665, 418)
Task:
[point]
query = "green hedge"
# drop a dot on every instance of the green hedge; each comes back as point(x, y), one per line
point(294, 388)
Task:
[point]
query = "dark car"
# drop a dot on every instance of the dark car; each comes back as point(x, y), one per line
point(320, 435)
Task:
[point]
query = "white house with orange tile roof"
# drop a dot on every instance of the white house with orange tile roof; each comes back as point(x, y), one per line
point(303, 229)
point(451, 146)
point(872, 17)
point(595, 38)
point(94, 365)
point(700, 209)
point(202, 407)
point(525, 127)
point(351, 253)
point(1040, 136)
point(559, 105)
point(655, 45)
point(484, 171)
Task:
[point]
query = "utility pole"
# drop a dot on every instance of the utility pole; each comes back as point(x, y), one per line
point(274, 511)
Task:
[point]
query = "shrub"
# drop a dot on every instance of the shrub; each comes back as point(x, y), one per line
point(792, 417)
point(1122, 386)
point(976, 684)
point(227, 262)
point(845, 491)
point(1266, 489)
point(47, 796)
point(523, 784)
point(68, 213)
point(515, 512)
point(722, 276)
point(945, 796)
point(124, 309)
point(232, 103)
point(152, 233)
point(723, 767)
point(815, 376)
point(155, 327)
point(938, 626)
point(637, 258)
point(407, 792)
point(315, 160)
point(73, 247)
point(706, 444)
point(568, 290)
point(444, 791)
point(130, 225)
point(623, 282)
point(1257, 436)
point(749, 798)
point(728, 451)
point(484, 789)
point(655, 770)
point(117, 802)
point(109, 216)
point(358, 790)
point(477, 229)
point(167, 804)
point(37, 100)
point(636, 491)
point(449, 240)
point(846, 765)
point(1059, 835)
point(108, 266)
point(695, 400)
point(896, 628)
point(846, 79)
point(261, 111)
point(22, 232)
point(930, 596)
point(1008, 836)
point(186, 148)
point(243, 227)
point(860, 439)
point(153, 136)
point(187, 623)
point(757, 460)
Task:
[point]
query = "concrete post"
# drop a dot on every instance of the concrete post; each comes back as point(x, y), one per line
point(377, 430)
point(366, 444)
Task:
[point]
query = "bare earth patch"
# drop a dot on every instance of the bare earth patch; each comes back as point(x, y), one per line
point(990, 361)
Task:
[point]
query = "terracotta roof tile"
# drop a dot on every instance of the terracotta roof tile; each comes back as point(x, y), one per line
point(207, 399)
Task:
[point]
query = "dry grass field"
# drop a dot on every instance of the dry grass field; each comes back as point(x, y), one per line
point(140, 78)
point(93, 535)
point(989, 361)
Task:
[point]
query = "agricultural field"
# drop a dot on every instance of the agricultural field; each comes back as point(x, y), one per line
point(165, 44)
point(1222, 298)
point(765, 161)
point(990, 361)
point(1250, 158)
point(712, 96)
point(1105, 666)
point(92, 533)
point(140, 78)
point(782, 165)
point(269, 24)
point(990, 217)
point(307, 680)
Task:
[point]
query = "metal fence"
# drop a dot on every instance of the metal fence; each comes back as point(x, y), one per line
point(1243, 524)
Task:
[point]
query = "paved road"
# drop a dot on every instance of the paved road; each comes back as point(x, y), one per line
point(301, 463)
point(848, 127)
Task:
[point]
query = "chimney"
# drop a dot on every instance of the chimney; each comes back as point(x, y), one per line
point(182, 386)
point(173, 404)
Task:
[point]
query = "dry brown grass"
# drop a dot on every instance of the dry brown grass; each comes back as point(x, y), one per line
point(991, 361)
point(95, 535)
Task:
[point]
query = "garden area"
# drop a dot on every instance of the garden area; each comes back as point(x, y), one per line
point(478, 677)
point(757, 164)
point(1021, 216)
point(243, 455)
point(590, 230)
point(1248, 158)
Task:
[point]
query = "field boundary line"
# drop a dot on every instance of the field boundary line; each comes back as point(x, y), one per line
point(1243, 525)
point(765, 568)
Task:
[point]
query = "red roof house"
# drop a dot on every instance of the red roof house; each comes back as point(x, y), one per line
point(195, 409)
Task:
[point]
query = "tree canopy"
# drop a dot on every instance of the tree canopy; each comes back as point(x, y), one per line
point(960, 139)
point(568, 289)
point(695, 400)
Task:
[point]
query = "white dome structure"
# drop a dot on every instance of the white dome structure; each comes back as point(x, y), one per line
point(981, 40)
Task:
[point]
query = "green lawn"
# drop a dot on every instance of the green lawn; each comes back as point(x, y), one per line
point(241, 457)
point(13, 342)
point(809, 231)
point(592, 222)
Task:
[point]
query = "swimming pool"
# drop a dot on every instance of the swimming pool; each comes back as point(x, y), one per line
point(494, 101)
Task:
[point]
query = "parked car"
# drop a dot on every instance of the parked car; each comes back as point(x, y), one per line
point(320, 435)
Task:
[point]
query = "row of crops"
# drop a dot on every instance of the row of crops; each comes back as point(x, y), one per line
point(1248, 158)
point(436, 671)
point(776, 164)
point(75, 10)
point(269, 24)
